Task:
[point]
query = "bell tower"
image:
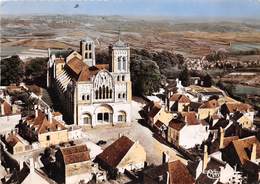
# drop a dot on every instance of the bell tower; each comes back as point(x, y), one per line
point(87, 50)
point(120, 57)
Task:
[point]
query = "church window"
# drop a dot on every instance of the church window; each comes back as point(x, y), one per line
point(86, 46)
point(118, 78)
point(87, 97)
point(90, 55)
point(123, 95)
point(119, 95)
point(123, 78)
point(104, 92)
point(100, 93)
point(89, 47)
point(96, 94)
point(119, 63)
point(86, 55)
point(107, 92)
point(83, 97)
point(110, 93)
point(124, 63)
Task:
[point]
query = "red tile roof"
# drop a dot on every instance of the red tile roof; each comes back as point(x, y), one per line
point(190, 118)
point(75, 154)
point(43, 125)
point(210, 104)
point(176, 124)
point(154, 110)
point(242, 107)
point(180, 98)
point(114, 153)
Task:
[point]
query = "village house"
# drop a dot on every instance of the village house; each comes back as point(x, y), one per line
point(228, 109)
point(245, 155)
point(123, 154)
point(242, 119)
point(174, 172)
point(28, 174)
point(10, 115)
point(211, 170)
point(208, 109)
point(186, 128)
point(43, 128)
point(74, 164)
point(178, 102)
point(15, 143)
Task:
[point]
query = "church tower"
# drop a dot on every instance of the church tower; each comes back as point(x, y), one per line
point(87, 50)
point(120, 57)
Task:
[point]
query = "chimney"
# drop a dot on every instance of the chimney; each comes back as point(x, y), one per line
point(21, 165)
point(35, 110)
point(221, 138)
point(2, 109)
point(49, 115)
point(167, 177)
point(253, 153)
point(165, 157)
point(31, 165)
point(205, 158)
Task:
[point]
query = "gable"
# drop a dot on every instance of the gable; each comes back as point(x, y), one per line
point(72, 55)
point(136, 154)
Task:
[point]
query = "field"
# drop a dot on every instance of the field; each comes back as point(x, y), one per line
point(188, 37)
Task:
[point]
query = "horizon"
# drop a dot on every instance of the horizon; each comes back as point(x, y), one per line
point(191, 9)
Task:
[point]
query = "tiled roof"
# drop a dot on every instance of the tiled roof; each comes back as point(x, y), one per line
point(242, 107)
point(242, 145)
point(154, 110)
point(178, 173)
point(176, 124)
point(76, 65)
point(43, 125)
point(75, 154)
point(213, 164)
point(210, 104)
point(12, 139)
point(114, 153)
point(180, 98)
point(190, 118)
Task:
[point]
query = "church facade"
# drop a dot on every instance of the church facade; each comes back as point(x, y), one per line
point(92, 94)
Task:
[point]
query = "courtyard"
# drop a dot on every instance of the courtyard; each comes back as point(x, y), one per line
point(136, 132)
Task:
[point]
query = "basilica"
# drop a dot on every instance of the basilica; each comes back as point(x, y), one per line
point(92, 94)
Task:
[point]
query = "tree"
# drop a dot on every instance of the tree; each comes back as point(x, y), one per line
point(36, 70)
point(146, 76)
point(184, 77)
point(12, 70)
point(207, 81)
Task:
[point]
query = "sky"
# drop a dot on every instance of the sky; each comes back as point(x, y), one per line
point(166, 8)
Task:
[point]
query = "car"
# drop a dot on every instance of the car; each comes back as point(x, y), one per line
point(101, 142)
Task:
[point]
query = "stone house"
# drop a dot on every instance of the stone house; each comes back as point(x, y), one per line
point(43, 128)
point(74, 164)
point(123, 154)
point(186, 128)
point(208, 109)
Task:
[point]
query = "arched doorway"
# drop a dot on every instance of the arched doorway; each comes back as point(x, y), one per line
point(87, 119)
point(104, 114)
point(121, 116)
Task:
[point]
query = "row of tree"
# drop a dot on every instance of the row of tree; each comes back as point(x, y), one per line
point(14, 70)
